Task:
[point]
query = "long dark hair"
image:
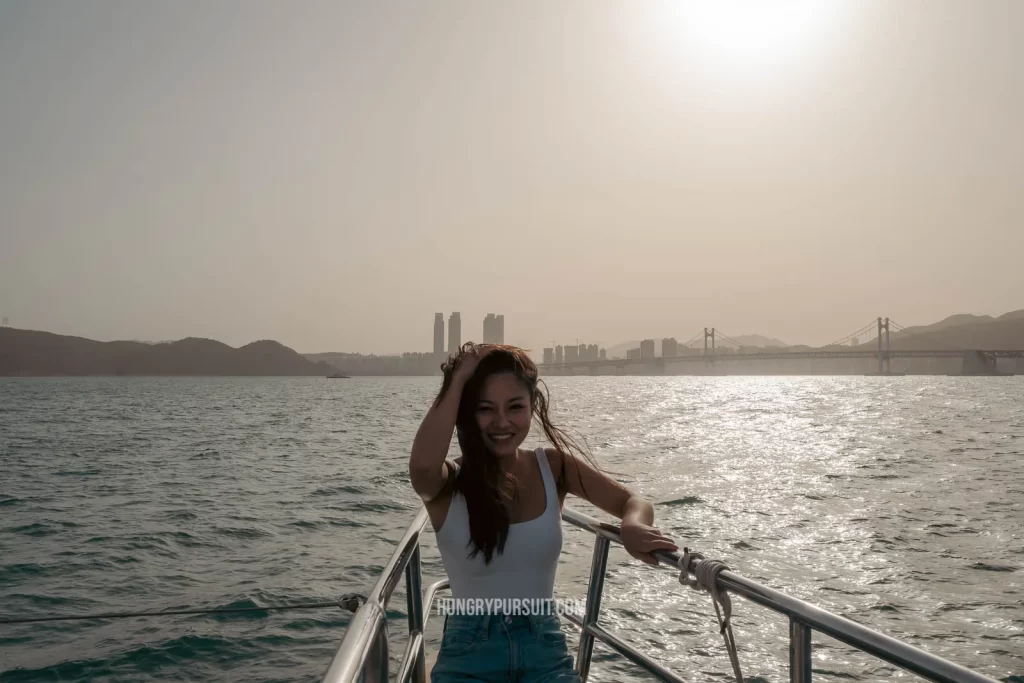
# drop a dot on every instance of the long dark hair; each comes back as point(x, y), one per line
point(479, 480)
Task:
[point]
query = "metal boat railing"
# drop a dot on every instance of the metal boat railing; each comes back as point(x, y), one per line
point(363, 654)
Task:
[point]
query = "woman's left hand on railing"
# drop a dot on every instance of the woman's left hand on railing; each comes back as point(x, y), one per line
point(640, 540)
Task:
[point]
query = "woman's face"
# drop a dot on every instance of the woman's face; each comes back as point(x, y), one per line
point(504, 413)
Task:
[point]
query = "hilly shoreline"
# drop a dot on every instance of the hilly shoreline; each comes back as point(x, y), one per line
point(31, 353)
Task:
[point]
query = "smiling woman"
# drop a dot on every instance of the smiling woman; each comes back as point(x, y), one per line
point(503, 414)
point(496, 512)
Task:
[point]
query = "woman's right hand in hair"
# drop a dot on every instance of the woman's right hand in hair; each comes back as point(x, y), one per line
point(467, 362)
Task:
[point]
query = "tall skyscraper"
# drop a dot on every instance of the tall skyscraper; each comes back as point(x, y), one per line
point(454, 333)
point(439, 333)
point(549, 356)
point(494, 329)
point(669, 347)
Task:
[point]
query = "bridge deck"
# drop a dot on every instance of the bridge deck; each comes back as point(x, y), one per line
point(794, 355)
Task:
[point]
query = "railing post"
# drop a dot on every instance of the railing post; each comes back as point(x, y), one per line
point(414, 602)
point(799, 652)
point(375, 668)
point(594, 591)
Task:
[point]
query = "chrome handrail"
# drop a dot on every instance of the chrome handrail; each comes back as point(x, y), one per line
point(363, 656)
point(367, 632)
point(804, 618)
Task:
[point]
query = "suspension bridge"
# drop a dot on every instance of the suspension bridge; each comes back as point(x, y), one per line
point(716, 358)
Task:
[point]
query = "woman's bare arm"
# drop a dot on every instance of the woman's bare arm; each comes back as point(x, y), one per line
point(428, 466)
point(639, 537)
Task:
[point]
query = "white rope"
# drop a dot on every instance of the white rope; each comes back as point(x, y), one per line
point(705, 577)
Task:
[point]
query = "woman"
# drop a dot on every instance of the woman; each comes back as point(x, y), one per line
point(497, 515)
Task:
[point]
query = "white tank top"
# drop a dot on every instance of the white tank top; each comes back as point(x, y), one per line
point(525, 569)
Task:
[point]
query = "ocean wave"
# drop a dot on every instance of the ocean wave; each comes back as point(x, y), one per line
point(170, 522)
point(685, 500)
point(145, 659)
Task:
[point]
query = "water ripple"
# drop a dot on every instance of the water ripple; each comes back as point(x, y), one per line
point(893, 501)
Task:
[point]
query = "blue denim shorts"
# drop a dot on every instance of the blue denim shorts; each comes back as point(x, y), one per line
point(521, 648)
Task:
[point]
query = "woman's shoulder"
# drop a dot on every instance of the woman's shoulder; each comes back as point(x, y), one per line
point(557, 465)
point(555, 458)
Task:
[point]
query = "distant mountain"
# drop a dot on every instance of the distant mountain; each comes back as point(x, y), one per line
point(961, 332)
point(953, 321)
point(1012, 315)
point(28, 353)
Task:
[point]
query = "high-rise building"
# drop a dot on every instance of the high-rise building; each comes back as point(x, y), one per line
point(439, 333)
point(494, 329)
point(647, 348)
point(669, 347)
point(549, 356)
point(632, 354)
point(572, 354)
point(558, 354)
point(604, 354)
point(454, 333)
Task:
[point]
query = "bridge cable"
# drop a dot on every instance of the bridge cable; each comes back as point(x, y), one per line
point(349, 601)
point(731, 340)
point(693, 338)
point(839, 342)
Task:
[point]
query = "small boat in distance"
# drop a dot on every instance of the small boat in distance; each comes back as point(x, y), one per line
point(337, 375)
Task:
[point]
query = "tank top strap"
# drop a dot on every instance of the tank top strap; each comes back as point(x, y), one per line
point(550, 487)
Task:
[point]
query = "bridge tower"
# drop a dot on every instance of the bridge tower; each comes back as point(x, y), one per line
point(709, 335)
point(884, 348)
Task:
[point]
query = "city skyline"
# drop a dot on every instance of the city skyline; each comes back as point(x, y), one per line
point(644, 347)
point(493, 332)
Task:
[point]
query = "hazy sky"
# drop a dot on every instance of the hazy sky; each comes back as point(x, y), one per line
point(330, 174)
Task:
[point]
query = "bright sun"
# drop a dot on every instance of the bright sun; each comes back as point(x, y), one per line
point(750, 35)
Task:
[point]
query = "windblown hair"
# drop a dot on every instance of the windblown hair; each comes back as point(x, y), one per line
point(481, 474)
